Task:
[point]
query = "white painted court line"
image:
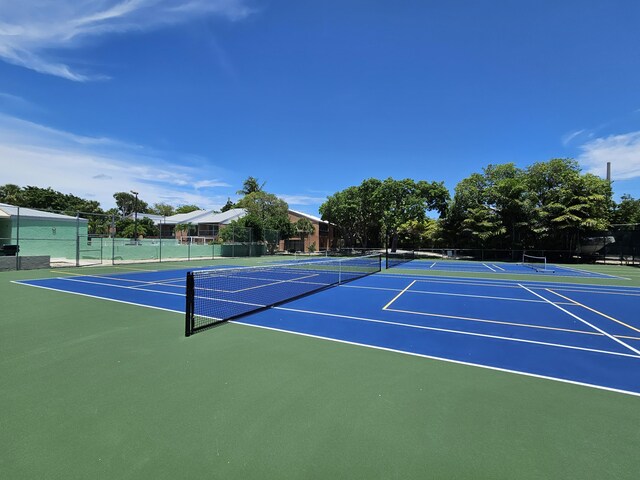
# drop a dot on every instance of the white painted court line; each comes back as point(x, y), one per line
point(597, 274)
point(512, 283)
point(492, 269)
point(277, 282)
point(449, 294)
point(445, 360)
point(398, 295)
point(637, 352)
point(596, 311)
point(499, 322)
point(98, 297)
point(499, 268)
point(458, 332)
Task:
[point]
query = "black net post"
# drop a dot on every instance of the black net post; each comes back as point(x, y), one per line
point(189, 306)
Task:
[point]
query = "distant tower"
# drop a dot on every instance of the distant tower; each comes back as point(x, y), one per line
point(609, 172)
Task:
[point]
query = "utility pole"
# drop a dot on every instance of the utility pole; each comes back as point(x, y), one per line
point(135, 218)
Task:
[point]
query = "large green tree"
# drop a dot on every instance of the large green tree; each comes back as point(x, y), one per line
point(547, 206)
point(187, 208)
point(163, 209)
point(375, 210)
point(265, 211)
point(128, 204)
point(626, 211)
point(566, 202)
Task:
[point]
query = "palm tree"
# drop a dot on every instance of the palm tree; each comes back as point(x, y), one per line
point(251, 185)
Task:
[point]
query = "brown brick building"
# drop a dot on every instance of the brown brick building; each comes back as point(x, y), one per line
point(322, 238)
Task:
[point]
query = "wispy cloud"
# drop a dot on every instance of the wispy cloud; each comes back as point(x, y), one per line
point(96, 168)
point(623, 151)
point(31, 31)
point(567, 138)
point(301, 199)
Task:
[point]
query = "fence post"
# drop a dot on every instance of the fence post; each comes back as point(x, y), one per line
point(77, 239)
point(18, 239)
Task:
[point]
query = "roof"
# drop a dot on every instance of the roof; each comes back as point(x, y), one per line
point(306, 215)
point(222, 218)
point(157, 219)
point(7, 210)
point(207, 216)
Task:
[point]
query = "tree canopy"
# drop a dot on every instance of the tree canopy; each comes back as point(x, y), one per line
point(374, 211)
point(265, 211)
point(251, 185)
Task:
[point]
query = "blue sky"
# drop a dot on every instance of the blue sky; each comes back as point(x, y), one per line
point(182, 100)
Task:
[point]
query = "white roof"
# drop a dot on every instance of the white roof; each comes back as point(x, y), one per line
point(306, 215)
point(207, 216)
point(7, 210)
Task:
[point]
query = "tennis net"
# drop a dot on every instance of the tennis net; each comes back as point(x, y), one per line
point(216, 296)
point(398, 258)
point(539, 264)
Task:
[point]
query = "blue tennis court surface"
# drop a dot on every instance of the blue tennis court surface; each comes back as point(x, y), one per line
point(502, 268)
point(582, 334)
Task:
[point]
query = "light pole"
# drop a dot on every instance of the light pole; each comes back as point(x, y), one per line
point(135, 218)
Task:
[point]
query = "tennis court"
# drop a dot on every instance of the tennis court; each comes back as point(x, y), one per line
point(504, 268)
point(584, 334)
point(403, 373)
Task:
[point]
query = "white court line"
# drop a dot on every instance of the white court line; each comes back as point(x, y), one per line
point(595, 311)
point(596, 288)
point(481, 320)
point(449, 294)
point(98, 297)
point(445, 360)
point(585, 322)
point(488, 267)
point(277, 282)
point(596, 274)
point(398, 295)
point(500, 268)
point(459, 332)
point(130, 287)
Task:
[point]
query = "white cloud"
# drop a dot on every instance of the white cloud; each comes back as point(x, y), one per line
point(301, 199)
point(623, 151)
point(566, 139)
point(96, 168)
point(210, 184)
point(30, 31)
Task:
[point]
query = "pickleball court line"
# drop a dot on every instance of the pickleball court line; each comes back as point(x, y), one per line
point(443, 359)
point(629, 347)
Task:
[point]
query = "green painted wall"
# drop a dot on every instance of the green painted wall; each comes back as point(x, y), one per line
point(43, 236)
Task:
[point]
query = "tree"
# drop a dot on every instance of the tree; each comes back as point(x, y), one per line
point(10, 194)
point(376, 209)
point(265, 211)
point(227, 206)
point(251, 185)
point(304, 228)
point(627, 211)
point(125, 228)
point(187, 208)
point(566, 202)
point(163, 209)
point(404, 200)
point(343, 209)
point(127, 204)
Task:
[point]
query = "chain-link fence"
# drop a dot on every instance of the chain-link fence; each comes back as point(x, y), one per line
point(39, 239)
